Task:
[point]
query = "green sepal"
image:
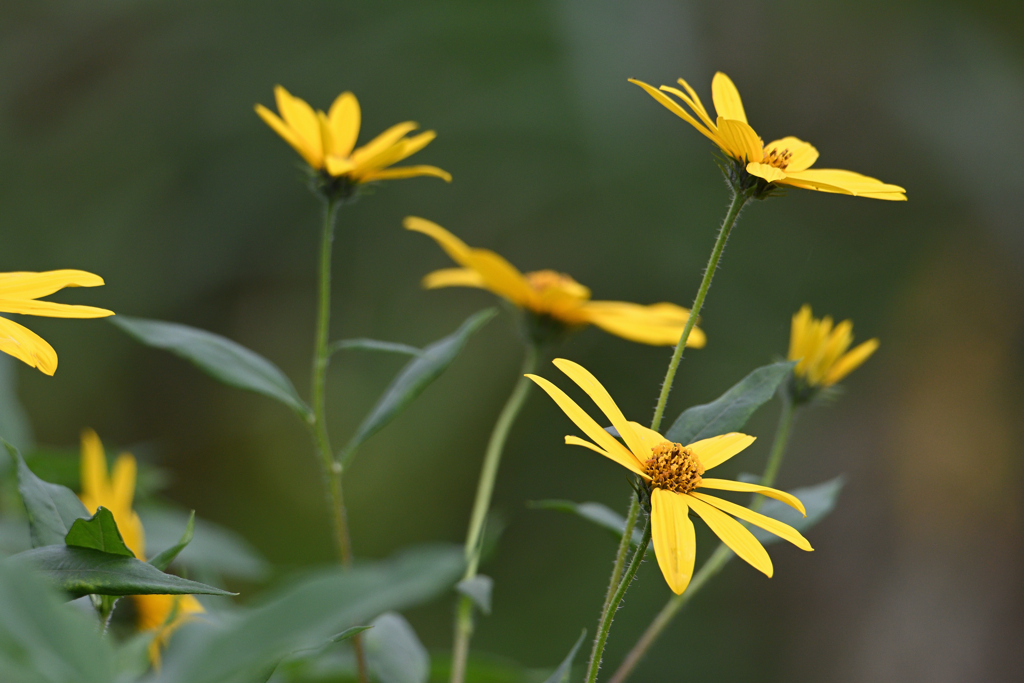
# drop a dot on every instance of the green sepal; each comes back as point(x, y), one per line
point(561, 674)
point(730, 411)
point(98, 532)
point(164, 559)
point(224, 360)
point(52, 509)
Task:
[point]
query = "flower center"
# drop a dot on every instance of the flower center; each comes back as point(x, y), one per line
point(779, 158)
point(674, 467)
point(542, 280)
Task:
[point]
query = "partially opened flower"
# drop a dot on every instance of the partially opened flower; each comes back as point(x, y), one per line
point(160, 613)
point(821, 348)
point(553, 295)
point(786, 161)
point(674, 475)
point(19, 293)
point(328, 141)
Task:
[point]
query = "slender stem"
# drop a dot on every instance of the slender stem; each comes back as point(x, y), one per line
point(321, 358)
point(739, 200)
point(620, 556)
point(604, 626)
point(718, 559)
point(484, 491)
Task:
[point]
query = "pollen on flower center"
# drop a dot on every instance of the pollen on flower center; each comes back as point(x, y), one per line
point(779, 158)
point(674, 467)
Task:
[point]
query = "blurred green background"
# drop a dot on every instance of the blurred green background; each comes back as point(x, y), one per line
point(129, 148)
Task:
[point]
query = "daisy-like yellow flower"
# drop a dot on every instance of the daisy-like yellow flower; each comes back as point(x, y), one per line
point(19, 293)
point(160, 613)
point(552, 294)
point(674, 475)
point(821, 349)
point(786, 161)
point(328, 141)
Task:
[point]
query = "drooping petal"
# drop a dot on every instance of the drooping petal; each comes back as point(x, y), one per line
point(289, 136)
point(345, 118)
point(407, 172)
point(803, 153)
point(452, 245)
point(301, 118)
point(672, 533)
point(726, 98)
point(741, 142)
point(24, 285)
point(674, 107)
point(657, 324)
point(729, 485)
point(766, 171)
point(850, 362)
point(840, 181)
point(586, 423)
point(453, 277)
point(93, 468)
point(50, 309)
point(27, 346)
point(596, 391)
point(627, 462)
point(733, 534)
point(716, 450)
point(770, 525)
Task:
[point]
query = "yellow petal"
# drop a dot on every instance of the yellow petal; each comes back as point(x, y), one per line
point(452, 245)
point(729, 485)
point(803, 153)
point(658, 324)
point(132, 533)
point(587, 424)
point(383, 141)
point(843, 182)
point(798, 332)
point(766, 171)
point(95, 485)
point(338, 166)
point(393, 154)
point(290, 136)
point(628, 462)
point(699, 108)
point(51, 309)
point(733, 534)
point(164, 614)
point(741, 142)
point(453, 277)
point(122, 482)
point(407, 172)
point(650, 437)
point(674, 107)
point(27, 346)
point(596, 391)
point(783, 531)
point(301, 118)
point(500, 276)
point(694, 105)
point(23, 285)
point(716, 450)
point(726, 97)
point(851, 361)
point(672, 533)
point(345, 118)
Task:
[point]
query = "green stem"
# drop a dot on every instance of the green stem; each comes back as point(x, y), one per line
point(484, 491)
point(620, 556)
point(739, 200)
point(718, 559)
point(604, 626)
point(332, 470)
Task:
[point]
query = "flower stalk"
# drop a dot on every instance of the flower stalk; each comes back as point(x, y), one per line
point(464, 621)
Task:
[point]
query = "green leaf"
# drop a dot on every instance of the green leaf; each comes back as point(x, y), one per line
point(164, 559)
point(730, 411)
point(478, 589)
point(215, 550)
point(99, 532)
point(51, 508)
point(375, 345)
point(221, 358)
point(393, 652)
point(413, 379)
point(598, 514)
point(818, 500)
point(14, 423)
point(561, 674)
point(305, 613)
point(42, 640)
point(84, 571)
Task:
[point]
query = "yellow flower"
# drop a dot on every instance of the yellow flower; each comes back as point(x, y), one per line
point(786, 161)
point(327, 141)
point(19, 293)
point(822, 349)
point(553, 294)
point(674, 473)
point(160, 613)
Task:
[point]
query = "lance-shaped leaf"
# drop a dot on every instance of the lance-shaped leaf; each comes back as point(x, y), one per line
point(394, 654)
point(305, 613)
point(730, 411)
point(375, 345)
point(214, 551)
point(596, 513)
point(413, 379)
point(221, 358)
point(84, 571)
point(99, 532)
point(163, 560)
point(819, 500)
point(51, 508)
point(561, 674)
